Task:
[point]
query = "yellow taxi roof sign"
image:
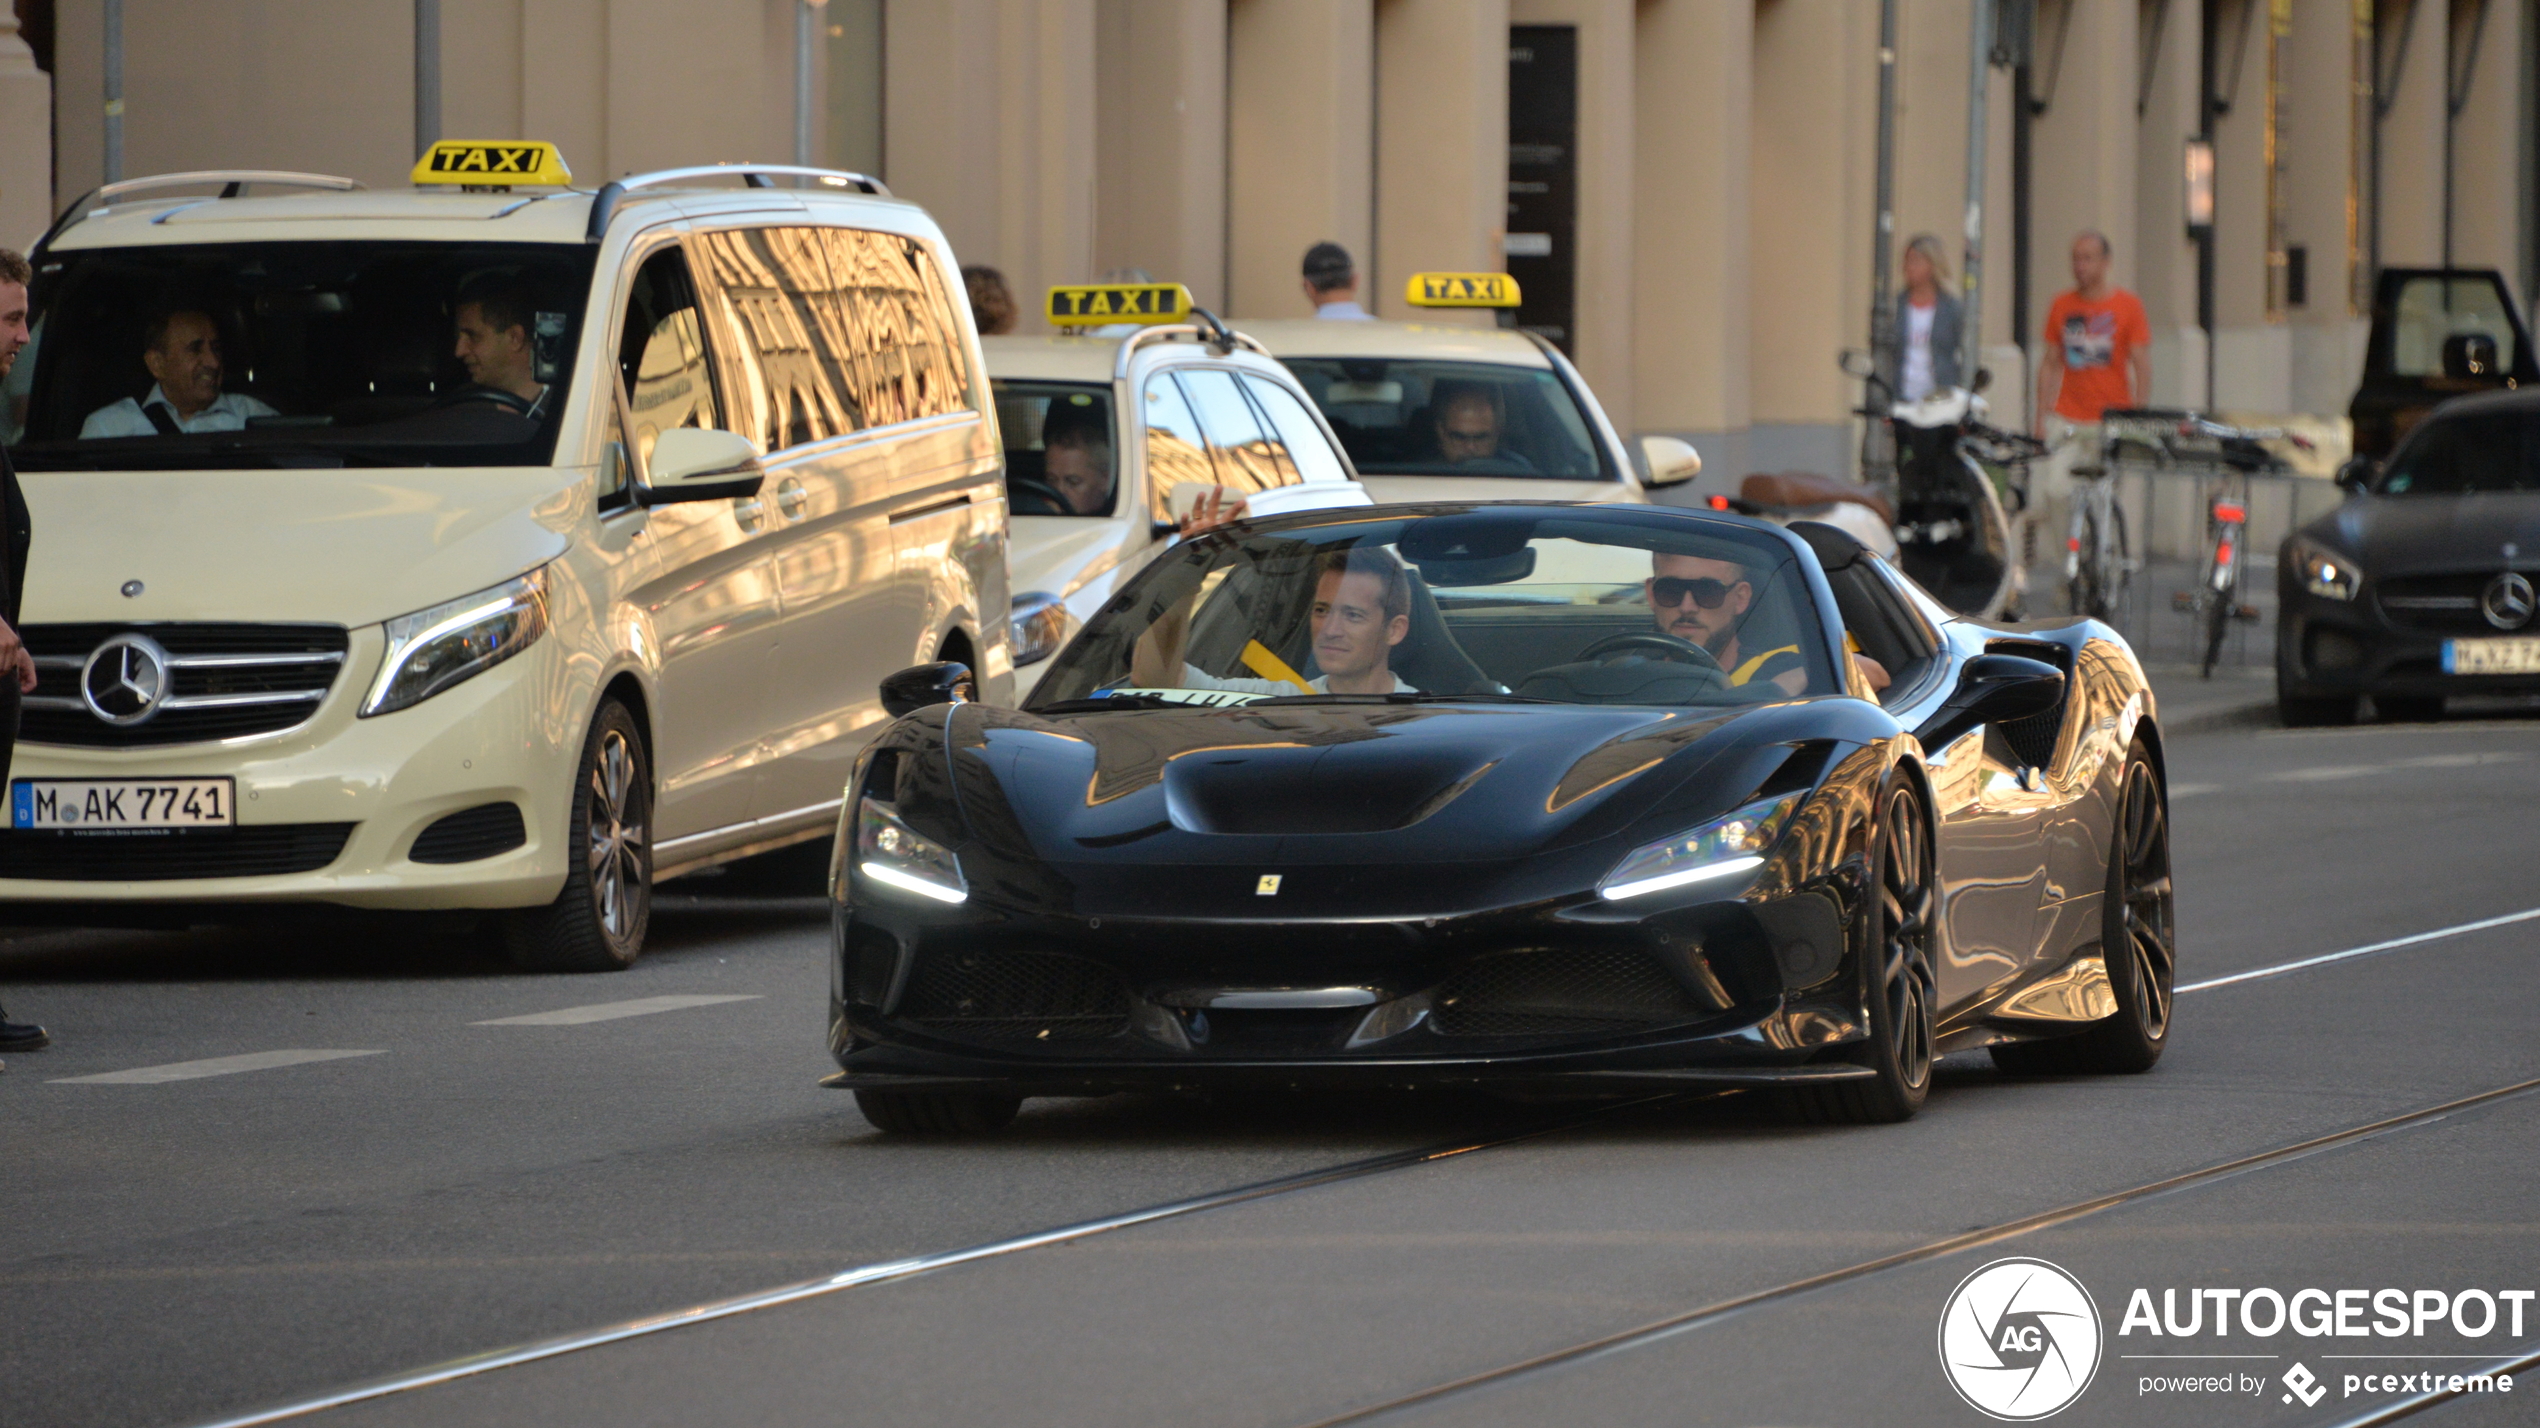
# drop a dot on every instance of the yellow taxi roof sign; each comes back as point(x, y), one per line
point(1461, 290)
point(1101, 304)
point(490, 162)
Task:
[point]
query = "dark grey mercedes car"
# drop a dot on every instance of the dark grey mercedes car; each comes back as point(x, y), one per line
point(2422, 585)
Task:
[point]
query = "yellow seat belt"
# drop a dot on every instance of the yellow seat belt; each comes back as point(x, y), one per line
point(1747, 670)
point(1258, 658)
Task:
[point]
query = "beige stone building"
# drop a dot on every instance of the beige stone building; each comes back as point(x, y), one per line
point(1686, 186)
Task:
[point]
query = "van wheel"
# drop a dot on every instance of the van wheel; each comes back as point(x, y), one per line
point(596, 924)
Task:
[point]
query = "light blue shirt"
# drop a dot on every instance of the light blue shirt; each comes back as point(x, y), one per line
point(228, 412)
point(1343, 311)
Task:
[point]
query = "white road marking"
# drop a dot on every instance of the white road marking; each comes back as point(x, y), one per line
point(2324, 773)
point(2458, 761)
point(611, 1011)
point(216, 1066)
point(2190, 790)
point(2281, 968)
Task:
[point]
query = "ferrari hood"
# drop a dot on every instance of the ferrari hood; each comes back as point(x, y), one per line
point(1324, 783)
point(2395, 535)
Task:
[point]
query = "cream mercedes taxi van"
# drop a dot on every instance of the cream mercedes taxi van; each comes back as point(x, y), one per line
point(494, 544)
point(1433, 412)
point(1108, 440)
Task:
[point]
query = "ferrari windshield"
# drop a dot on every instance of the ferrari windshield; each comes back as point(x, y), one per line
point(1404, 417)
point(1496, 603)
point(298, 354)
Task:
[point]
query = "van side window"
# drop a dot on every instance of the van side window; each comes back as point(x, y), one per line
point(905, 350)
point(776, 288)
point(1249, 458)
point(1308, 448)
point(1177, 451)
point(664, 369)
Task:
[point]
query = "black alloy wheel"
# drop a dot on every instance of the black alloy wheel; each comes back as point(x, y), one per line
point(1898, 923)
point(937, 1112)
point(2138, 938)
point(597, 923)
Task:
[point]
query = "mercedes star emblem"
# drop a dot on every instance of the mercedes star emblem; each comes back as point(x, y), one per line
point(2508, 601)
point(126, 678)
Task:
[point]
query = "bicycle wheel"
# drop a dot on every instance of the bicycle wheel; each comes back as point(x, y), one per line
point(2116, 566)
point(2218, 607)
point(2084, 594)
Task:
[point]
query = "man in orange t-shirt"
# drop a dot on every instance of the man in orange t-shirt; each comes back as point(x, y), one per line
point(2098, 343)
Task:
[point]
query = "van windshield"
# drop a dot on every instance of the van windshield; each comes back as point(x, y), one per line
point(298, 354)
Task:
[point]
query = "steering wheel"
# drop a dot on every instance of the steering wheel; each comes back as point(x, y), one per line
point(1658, 642)
point(1027, 497)
point(512, 402)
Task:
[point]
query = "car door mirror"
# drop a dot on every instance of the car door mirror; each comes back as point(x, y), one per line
point(922, 686)
point(2356, 474)
point(701, 464)
point(1993, 689)
point(1671, 460)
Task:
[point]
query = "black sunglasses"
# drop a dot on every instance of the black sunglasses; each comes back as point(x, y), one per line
point(1669, 591)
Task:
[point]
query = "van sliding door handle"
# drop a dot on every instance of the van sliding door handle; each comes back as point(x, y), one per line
point(748, 513)
point(792, 500)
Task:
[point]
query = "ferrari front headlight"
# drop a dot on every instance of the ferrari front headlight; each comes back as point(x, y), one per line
point(431, 650)
point(2326, 573)
point(897, 856)
point(1721, 848)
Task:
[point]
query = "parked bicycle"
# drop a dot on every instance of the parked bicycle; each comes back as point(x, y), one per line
point(2099, 560)
point(2231, 453)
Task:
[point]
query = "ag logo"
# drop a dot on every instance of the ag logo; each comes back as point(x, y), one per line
point(2019, 1339)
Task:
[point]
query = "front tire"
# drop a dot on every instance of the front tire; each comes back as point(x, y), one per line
point(597, 923)
point(2138, 938)
point(1897, 964)
point(937, 1112)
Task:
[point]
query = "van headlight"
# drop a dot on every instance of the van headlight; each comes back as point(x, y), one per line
point(897, 856)
point(430, 650)
point(1721, 848)
point(2325, 572)
point(1036, 627)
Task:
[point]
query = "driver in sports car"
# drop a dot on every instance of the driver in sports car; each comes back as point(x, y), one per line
point(492, 319)
point(1361, 610)
point(1704, 602)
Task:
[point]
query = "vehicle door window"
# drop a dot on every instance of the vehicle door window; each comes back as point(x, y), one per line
point(1248, 458)
point(906, 355)
point(1058, 459)
point(1308, 449)
point(1883, 625)
point(665, 372)
point(1177, 451)
point(778, 295)
point(2438, 321)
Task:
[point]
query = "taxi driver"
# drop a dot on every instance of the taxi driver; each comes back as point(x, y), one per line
point(1076, 446)
point(492, 318)
point(1468, 423)
point(1361, 611)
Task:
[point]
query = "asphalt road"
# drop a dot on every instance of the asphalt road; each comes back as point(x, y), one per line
point(176, 1250)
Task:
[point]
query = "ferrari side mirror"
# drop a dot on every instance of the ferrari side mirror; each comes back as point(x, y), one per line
point(923, 685)
point(1993, 689)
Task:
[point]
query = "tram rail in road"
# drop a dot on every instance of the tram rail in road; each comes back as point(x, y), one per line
point(891, 1271)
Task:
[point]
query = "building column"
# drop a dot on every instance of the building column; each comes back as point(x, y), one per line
point(26, 141)
point(1692, 312)
point(1160, 140)
point(2164, 257)
point(990, 124)
point(2083, 171)
point(1602, 345)
point(1441, 181)
point(2326, 328)
point(1300, 144)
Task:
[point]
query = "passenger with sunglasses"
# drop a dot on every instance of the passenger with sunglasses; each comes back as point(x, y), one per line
point(1704, 602)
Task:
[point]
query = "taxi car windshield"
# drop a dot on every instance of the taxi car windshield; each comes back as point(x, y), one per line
point(2477, 451)
point(298, 354)
point(1059, 459)
point(1405, 417)
point(1511, 603)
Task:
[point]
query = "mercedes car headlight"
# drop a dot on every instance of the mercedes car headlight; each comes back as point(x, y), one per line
point(1718, 849)
point(897, 856)
point(431, 650)
point(2326, 573)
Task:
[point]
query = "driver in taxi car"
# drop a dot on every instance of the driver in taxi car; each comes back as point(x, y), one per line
point(1705, 601)
point(1076, 458)
point(492, 316)
point(1362, 609)
point(181, 349)
point(1469, 424)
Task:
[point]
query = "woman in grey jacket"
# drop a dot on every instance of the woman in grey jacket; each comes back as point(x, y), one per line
point(1928, 334)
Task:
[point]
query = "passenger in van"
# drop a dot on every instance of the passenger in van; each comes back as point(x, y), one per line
point(1705, 601)
point(1361, 610)
point(181, 348)
point(493, 317)
point(1076, 456)
point(1469, 423)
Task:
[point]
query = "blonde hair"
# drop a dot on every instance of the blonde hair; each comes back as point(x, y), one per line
point(1929, 246)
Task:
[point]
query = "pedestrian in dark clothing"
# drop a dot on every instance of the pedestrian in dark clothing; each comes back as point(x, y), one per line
point(1929, 324)
point(17, 667)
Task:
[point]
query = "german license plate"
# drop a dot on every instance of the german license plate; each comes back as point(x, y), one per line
point(104, 803)
point(2518, 655)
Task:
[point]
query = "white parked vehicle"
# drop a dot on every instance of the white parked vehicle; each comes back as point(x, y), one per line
point(1108, 441)
point(540, 542)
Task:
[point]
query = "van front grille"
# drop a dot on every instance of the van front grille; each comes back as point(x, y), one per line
point(174, 683)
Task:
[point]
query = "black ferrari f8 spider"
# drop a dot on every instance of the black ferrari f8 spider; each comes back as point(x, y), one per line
point(1550, 798)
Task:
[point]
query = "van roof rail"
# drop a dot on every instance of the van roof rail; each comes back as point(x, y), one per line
point(1209, 330)
point(755, 175)
point(232, 182)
